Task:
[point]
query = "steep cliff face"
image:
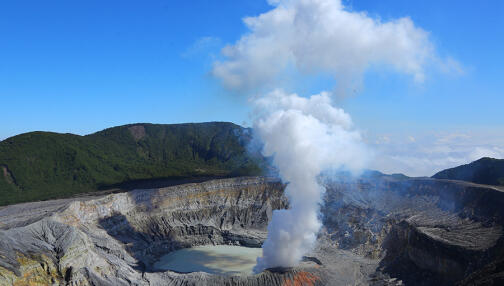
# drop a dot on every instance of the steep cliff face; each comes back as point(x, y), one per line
point(114, 239)
point(424, 231)
point(377, 231)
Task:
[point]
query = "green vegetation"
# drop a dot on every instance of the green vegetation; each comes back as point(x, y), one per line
point(486, 171)
point(44, 165)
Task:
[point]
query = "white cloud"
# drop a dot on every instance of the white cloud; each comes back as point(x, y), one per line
point(202, 45)
point(384, 139)
point(452, 137)
point(312, 36)
point(451, 66)
point(492, 152)
point(428, 153)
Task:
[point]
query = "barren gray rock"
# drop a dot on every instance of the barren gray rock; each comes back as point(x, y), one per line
point(424, 231)
point(377, 231)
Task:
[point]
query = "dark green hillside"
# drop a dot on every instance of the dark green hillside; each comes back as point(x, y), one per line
point(43, 165)
point(483, 171)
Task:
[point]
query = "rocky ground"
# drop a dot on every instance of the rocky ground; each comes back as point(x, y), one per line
point(377, 231)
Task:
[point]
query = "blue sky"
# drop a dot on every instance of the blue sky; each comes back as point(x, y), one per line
point(468, 31)
point(81, 66)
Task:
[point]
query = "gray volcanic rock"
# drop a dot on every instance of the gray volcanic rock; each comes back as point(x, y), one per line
point(424, 231)
point(377, 231)
point(114, 239)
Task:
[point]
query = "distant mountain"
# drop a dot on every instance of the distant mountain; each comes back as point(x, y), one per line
point(486, 171)
point(378, 174)
point(45, 165)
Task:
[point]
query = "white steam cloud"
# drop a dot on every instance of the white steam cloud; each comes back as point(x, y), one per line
point(313, 36)
point(308, 135)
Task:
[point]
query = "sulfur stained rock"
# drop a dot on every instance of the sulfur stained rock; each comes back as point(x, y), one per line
point(376, 231)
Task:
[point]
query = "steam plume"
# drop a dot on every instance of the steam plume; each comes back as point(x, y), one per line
point(313, 36)
point(308, 135)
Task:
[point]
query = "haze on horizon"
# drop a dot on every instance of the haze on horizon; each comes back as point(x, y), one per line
point(84, 66)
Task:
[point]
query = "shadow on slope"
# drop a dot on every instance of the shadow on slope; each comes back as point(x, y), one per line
point(136, 243)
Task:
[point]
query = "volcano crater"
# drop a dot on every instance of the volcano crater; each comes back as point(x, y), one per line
point(376, 231)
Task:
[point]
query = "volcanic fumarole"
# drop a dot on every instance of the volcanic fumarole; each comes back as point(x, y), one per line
point(288, 46)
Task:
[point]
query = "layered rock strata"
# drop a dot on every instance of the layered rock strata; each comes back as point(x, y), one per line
point(376, 231)
point(423, 231)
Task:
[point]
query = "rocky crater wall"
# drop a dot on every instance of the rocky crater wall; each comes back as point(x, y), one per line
point(376, 231)
point(423, 231)
point(114, 240)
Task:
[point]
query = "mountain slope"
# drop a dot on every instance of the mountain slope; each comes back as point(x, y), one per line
point(486, 171)
point(44, 165)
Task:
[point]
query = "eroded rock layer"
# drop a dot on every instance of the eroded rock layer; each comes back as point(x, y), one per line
point(377, 231)
point(423, 231)
point(113, 240)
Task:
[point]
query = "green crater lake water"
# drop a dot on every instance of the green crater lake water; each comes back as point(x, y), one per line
point(215, 259)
